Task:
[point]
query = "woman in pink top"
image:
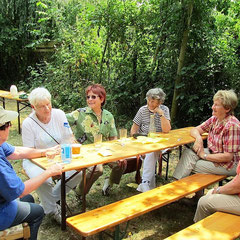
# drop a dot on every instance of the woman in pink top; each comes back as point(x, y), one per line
point(224, 199)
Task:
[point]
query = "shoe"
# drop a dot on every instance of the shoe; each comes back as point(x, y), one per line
point(106, 188)
point(143, 187)
point(58, 214)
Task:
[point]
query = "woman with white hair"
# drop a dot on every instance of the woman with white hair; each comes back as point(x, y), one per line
point(141, 123)
point(45, 127)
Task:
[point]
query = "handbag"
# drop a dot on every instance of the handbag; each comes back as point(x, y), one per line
point(133, 167)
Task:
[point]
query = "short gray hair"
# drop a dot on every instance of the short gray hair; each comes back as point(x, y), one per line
point(39, 94)
point(156, 93)
point(228, 99)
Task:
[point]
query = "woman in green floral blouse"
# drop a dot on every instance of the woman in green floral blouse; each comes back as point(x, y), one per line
point(92, 120)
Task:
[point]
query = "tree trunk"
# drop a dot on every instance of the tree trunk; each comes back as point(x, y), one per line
point(182, 54)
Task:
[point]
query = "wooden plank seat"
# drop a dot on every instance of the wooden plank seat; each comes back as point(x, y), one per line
point(16, 232)
point(100, 219)
point(220, 226)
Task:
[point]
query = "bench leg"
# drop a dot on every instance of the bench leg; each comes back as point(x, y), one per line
point(117, 234)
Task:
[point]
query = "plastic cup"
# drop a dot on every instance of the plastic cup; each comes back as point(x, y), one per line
point(76, 148)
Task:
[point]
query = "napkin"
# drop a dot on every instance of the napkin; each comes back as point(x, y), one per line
point(104, 153)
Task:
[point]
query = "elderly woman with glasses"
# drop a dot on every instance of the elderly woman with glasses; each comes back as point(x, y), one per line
point(92, 120)
point(46, 127)
point(155, 98)
point(223, 143)
point(16, 203)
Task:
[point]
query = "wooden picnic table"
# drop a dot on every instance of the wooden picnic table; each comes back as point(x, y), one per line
point(117, 150)
point(21, 104)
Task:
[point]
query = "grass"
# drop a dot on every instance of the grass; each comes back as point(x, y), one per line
point(157, 224)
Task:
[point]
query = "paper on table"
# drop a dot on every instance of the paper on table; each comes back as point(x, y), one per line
point(104, 153)
point(142, 139)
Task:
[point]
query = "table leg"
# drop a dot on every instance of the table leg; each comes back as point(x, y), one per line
point(138, 175)
point(180, 151)
point(19, 124)
point(63, 201)
point(160, 159)
point(84, 191)
point(85, 187)
point(3, 101)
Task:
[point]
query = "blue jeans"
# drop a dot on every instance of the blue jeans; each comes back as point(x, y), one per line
point(31, 213)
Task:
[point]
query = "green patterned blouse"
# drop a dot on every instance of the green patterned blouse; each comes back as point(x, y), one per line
point(87, 125)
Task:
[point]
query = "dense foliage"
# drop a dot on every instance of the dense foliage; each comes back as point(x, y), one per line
point(189, 48)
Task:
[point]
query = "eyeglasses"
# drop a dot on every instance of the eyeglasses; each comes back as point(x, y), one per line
point(92, 96)
point(6, 125)
point(41, 107)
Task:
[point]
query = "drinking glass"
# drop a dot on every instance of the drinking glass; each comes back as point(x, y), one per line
point(76, 148)
point(97, 140)
point(50, 155)
point(123, 133)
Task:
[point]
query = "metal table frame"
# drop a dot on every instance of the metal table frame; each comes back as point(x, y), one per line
point(21, 104)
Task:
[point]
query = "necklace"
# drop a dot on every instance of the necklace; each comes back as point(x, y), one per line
point(99, 116)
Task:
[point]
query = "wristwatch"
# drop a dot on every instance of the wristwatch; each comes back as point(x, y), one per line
point(218, 190)
point(205, 156)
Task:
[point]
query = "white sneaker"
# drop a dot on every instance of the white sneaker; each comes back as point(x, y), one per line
point(106, 188)
point(143, 187)
point(57, 215)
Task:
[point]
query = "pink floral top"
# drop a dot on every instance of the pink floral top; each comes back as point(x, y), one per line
point(224, 136)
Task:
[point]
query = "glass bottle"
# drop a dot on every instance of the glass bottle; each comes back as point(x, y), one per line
point(152, 127)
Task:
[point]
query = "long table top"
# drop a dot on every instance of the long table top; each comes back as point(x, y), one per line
point(8, 95)
point(121, 149)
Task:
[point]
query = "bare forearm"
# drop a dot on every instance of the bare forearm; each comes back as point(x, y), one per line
point(33, 183)
point(165, 124)
point(218, 157)
point(232, 187)
point(25, 152)
point(134, 129)
point(196, 133)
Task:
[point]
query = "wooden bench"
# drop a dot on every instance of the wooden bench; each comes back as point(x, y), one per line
point(100, 219)
point(220, 226)
point(16, 232)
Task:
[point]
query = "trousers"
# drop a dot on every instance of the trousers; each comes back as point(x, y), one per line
point(31, 213)
point(49, 193)
point(211, 203)
point(149, 168)
point(191, 163)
